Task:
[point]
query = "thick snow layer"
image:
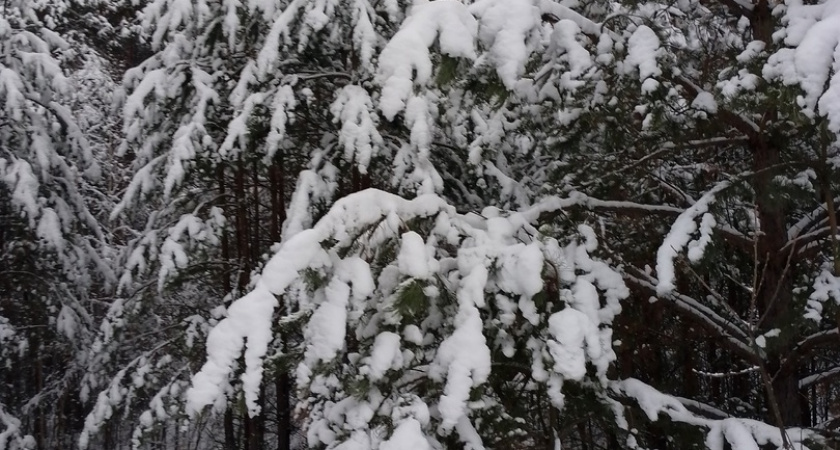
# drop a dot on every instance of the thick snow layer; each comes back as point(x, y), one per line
point(464, 354)
point(811, 58)
point(738, 434)
point(505, 28)
point(414, 259)
point(247, 322)
point(353, 109)
point(249, 319)
point(680, 235)
point(493, 261)
point(565, 43)
point(407, 436)
point(386, 355)
point(643, 48)
point(569, 328)
point(406, 58)
point(826, 286)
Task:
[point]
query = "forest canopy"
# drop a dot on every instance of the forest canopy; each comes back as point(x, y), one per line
point(382, 224)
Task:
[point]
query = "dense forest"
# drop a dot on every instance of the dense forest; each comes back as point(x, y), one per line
point(419, 225)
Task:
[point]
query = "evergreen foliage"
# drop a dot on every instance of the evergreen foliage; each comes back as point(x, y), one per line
point(361, 224)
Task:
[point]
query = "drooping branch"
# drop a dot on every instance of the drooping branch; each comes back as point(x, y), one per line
point(730, 334)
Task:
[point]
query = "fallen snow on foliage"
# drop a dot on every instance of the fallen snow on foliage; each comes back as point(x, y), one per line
point(406, 58)
point(738, 434)
point(680, 235)
point(826, 286)
point(466, 259)
point(811, 58)
point(643, 47)
point(353, 109)
point(505, 27)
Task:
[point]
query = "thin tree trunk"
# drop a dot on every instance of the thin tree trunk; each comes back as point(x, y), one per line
point(230, 432)
point(284, 412)
point(282, 382)
point(774, 293)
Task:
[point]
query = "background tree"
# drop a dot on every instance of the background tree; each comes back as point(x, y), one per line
point(54, 266)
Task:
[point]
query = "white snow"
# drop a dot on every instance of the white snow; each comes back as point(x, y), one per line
point(464, 354)
point(353, 109)
point(574, 335)
point(679, 236)
point(826, 286)
point(643, 48)
point(705, 101)
point(248, 323)
point(407, 436)
point(406, 58)
point(723, 433)
point(505, 27)
point(414, 259)
point(811, 58)
point(386, 355)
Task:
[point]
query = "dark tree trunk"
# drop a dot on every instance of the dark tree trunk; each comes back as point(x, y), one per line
point(284, 412)
point(774, 293)
point(230, 432)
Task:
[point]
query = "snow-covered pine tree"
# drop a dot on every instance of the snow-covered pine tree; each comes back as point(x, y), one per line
point(240, 96)
point(702, 120)
point(425, 327)
point(54, 251)
point(571, 60)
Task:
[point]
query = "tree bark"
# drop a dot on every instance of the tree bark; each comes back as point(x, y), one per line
point(774, 293)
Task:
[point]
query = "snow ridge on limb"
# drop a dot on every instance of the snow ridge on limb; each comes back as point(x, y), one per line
point(738, 434)
point(427, 296)
point(680, 236)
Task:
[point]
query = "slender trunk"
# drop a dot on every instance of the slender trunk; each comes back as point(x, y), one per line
point(828, 194)
point(243, 257)
point(257, 431)
point(259, 422)
point(282, 382)
point(256, 249)
point(774, 293)
point(247, 432)
point(226, 286)
point(230, 433)
point(274, 204)
point(284, 412)
point(242, 228)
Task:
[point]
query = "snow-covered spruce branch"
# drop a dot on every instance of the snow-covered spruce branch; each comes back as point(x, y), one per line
point(735, 373)
point(550, 208)
point(819, 377)
point(815, 218)
point(734, 336)
point(424, 298)
point(804, 347)
point(727, 432)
